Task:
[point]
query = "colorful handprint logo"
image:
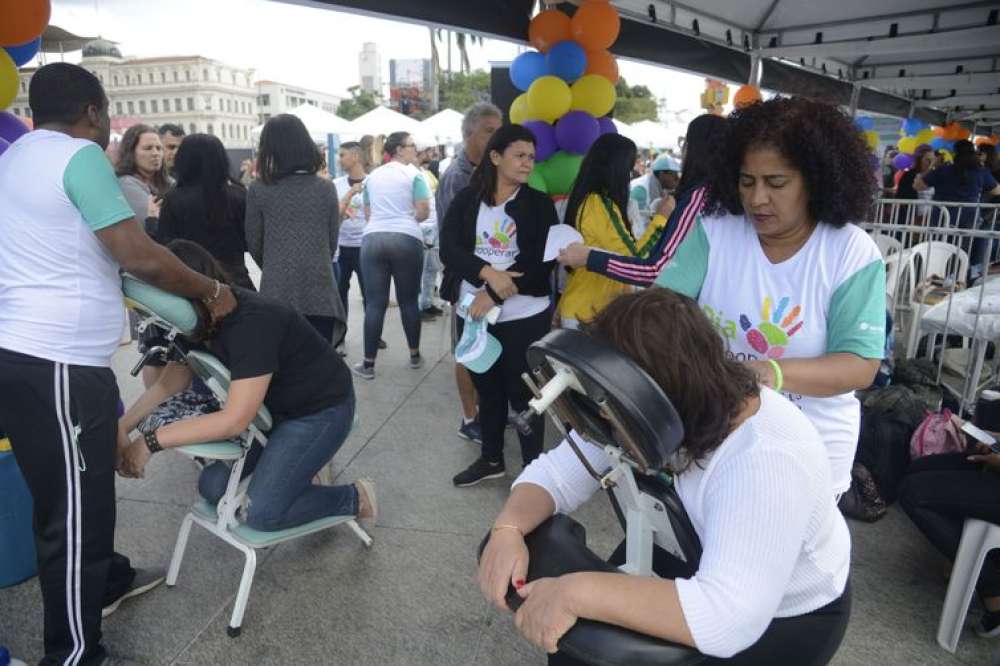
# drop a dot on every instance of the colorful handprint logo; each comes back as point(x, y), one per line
point(771, 336)
point(503, 234)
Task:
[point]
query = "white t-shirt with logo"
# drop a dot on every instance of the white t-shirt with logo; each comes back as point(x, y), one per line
point(828, 298)
point(496, 243)
point(352, 226)
point(60, 293)
point(391, 191)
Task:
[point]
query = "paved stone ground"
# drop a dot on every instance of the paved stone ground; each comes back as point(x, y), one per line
point(411, 599)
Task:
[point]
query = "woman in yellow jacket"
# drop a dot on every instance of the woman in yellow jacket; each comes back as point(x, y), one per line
point(598, 209)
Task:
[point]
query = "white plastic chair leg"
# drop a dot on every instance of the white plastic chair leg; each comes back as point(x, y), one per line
point(179, 547)
point(246, 581)
point(978, 538)
point(364, 536)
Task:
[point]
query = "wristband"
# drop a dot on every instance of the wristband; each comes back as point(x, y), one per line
point(779, 377)
point(215, 296)
point(506, 526)
point(152, 443)
point(493, 295)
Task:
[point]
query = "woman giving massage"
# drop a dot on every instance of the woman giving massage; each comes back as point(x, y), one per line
point(772, 583)
point(276, 358)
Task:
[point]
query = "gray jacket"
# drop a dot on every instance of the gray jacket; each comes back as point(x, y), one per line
point(292, 229)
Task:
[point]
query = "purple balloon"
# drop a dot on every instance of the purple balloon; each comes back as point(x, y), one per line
point(607, 126)
point(577, 131)
point(873, 161)
point(545, 139)
point(4, 145)
point(11, 127)
point(903, 161)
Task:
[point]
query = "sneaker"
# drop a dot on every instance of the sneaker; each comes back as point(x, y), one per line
point(144, 581)
point(382, 345)
point(989, 624)
point(367, 487)
point(478, 471)
point(428, 314)
point(471, 431)
point(363, 371)
point(416, 362)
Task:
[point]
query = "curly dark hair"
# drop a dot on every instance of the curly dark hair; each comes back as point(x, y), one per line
point(670, 338)
point(816, 138)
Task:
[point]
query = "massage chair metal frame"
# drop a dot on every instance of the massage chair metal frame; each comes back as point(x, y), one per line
point(587, 387)
point(174, 317)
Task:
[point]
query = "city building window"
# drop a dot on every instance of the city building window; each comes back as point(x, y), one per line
point(131, 108)
point(142, 106)
point(211, 129)
point(177, 105)
point(118, 108)
point(176, 76)
point(187, 74)
point(264, 100)
point(128, 79)
point(190, 103)
point(27, 111)
point(234, 78)
point(138, 78)
point(193, 128)
point(204, 74)
point(163, 77)
point(154, 106)
point(208, 103)
point(17, 110)
point(115, 79)
point(166, 106)
point(223, 130)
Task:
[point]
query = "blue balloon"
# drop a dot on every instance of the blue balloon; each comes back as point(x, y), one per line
point(937, 143)
point(526, 68)
point(913, 126)
point(23, 54)
point(567, 60)
point(865, 122)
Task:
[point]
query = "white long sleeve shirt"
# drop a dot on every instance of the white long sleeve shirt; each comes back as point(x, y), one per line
point(774, 544)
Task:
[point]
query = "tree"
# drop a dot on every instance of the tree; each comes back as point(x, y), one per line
point(460, 91)
point(360, 103)
point(634, 103)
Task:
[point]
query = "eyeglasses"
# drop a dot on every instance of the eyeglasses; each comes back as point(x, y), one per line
point(409, 145)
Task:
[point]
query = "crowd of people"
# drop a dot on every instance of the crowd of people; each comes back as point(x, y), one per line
point(734, 277)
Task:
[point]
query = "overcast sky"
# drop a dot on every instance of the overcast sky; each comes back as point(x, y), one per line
point(302, 45)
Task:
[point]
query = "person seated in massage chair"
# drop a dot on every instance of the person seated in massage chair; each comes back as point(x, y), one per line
point(753, 475)
point(275, 358)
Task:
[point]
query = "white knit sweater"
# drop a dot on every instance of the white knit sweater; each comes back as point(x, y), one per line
point(774, 543)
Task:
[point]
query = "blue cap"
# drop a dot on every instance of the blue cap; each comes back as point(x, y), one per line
point(666, 163)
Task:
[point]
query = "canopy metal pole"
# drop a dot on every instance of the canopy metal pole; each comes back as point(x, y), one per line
point(855, 98)
point(754, 71)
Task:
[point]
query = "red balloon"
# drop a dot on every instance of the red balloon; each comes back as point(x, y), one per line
point(603, 64)
point(548, 28)
point(746, 95)
point(596, 25)
point(23, 20)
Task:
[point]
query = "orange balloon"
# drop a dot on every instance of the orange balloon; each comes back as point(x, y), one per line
point(23, 20)
point(939, 132)
point(548, 28)
point(596, 25)
point(603, 64)
point(746, 95)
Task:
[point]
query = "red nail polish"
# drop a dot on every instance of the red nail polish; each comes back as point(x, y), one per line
point(518, 583)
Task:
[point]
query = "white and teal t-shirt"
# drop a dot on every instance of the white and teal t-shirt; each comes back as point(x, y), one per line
point(496, 243)
point(391, 192)
point(828, 298)
point(60, 293)
point(352, 226)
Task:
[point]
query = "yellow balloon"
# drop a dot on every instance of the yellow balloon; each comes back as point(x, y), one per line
point(871, 138)
point(947, 155)
point(925, 136)
point(8, 80)
point(519, 109)
point(593, 94)
point(908, 145)
point(549, 98)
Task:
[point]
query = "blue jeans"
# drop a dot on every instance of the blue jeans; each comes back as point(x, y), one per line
point(432, 266)
point(399, 257)
point(348, 262)
point(281, 492)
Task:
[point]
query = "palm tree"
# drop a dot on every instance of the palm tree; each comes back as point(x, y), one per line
point(460, 41)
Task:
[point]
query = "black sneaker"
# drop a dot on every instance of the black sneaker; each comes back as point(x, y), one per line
point(428, 314)
point(989, 624)
point(434, 310)
point(471, 431)
point(382, 345)
point(144, 581)
point(478, 471)
point(363, 371)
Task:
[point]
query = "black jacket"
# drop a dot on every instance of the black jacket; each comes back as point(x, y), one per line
point(532, 211)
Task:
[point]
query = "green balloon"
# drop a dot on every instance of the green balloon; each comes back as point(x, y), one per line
point(537, 181)
point(559, 172)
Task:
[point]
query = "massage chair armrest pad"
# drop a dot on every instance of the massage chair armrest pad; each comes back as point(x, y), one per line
point(558, 547)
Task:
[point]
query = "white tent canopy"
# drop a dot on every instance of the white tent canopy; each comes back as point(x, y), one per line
point(383, 120)
point(444, 127)
point(650, 134)
point(319, 123)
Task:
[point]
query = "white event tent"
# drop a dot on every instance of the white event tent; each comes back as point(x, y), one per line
point(319, 123)
point(444, 127)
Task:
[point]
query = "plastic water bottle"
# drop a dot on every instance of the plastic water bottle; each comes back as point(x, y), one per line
point(7, 660)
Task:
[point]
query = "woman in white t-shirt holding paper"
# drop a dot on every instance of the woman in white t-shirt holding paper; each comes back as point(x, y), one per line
point(493, 248)
point(397, 199)
point(796, 290)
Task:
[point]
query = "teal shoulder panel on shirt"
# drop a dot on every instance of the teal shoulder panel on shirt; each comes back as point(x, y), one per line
point(856, 318)
point(639, 195)
point(685, 272)
point(421, 190)
point(91, 185)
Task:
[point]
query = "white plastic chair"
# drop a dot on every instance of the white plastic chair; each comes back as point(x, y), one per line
point(920, 262)
point(978, 539)
point(887, 245)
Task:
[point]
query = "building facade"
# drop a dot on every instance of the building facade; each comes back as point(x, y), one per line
point(370, 68)
point(274, 97)
point(199, 94)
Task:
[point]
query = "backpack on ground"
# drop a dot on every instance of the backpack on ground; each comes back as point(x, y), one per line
point(940, 432)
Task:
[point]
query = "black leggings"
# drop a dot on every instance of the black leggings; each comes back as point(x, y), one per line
point(398, 257)
point(502, 385)
point(804, 640)
point(939, 492)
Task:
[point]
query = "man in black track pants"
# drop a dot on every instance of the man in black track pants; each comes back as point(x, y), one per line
point(66, 230)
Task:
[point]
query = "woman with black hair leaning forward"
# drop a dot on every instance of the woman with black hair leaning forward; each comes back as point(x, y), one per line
point(276, 358)
point(492, 245)
point(772, 583)
point(796, 290)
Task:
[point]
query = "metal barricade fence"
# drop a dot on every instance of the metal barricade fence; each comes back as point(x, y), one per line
point(939, 286)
